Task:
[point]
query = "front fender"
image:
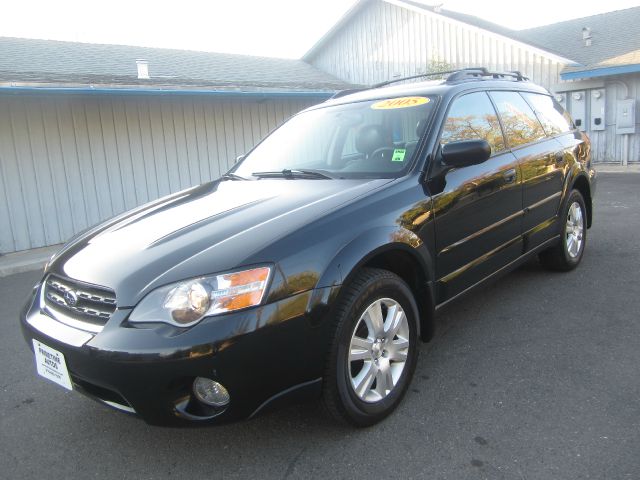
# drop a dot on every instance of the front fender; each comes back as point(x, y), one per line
point(371, 245)
point(373, 242)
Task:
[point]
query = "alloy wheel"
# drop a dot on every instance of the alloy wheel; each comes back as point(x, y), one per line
point(574, 230)
point(378, 350)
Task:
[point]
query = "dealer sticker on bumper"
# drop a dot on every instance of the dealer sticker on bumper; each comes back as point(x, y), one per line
point(51, 364)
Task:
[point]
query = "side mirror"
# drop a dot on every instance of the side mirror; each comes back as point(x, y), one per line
point(465, 153)
point(239, 158)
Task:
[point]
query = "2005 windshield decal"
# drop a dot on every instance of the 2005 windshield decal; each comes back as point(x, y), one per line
point(401, 102)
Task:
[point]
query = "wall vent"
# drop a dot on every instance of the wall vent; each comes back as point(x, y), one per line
point(586, 36)
point(143, 69)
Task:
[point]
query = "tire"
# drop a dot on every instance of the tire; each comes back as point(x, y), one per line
point(350, 394)
point(566, 255)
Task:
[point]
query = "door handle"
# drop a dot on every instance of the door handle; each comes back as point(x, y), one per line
point(510, 175)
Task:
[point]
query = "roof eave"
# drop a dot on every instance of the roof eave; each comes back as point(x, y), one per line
point(96, 89)
point(604, 71)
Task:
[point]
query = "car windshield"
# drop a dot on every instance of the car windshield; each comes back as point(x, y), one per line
point(358, 140)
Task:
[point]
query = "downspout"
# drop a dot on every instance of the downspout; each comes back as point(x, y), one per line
point(625, 150)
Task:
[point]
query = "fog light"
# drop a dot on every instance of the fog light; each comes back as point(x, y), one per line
point(210, 392)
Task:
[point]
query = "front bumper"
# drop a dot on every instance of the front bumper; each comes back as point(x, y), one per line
point(260, 355)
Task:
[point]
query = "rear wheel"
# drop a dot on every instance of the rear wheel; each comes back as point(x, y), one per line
point(566, 255)
point(374, 349)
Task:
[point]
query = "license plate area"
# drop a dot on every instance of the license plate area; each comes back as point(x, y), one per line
point(51, 364)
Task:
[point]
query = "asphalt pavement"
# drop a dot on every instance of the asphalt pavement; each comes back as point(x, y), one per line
point(534, 377)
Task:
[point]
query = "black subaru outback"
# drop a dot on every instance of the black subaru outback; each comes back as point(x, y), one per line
point(315, 266)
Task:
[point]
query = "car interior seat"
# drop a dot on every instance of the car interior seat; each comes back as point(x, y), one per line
point(410, 147)
point(371, 138)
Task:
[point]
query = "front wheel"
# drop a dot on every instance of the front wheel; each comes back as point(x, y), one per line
point(567, 254)
point(374, 350)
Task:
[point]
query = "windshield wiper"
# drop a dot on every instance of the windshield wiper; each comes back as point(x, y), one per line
point(232, 176)
point(295, 173)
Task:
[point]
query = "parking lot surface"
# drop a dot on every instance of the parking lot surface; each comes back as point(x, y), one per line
point(534, 377)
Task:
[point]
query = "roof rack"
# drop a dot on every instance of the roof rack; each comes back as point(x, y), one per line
point(402, 79)
point(479, 73)
point(473, 73)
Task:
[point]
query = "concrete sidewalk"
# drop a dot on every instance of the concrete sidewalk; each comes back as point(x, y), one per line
point(26, 260)
point(35, 259)
point(617, 168)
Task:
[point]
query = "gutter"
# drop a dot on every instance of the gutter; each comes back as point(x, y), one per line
point(97, 90)
point(600, 72)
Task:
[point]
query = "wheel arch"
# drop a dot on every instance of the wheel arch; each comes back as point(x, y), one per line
point(581, 183)
point(399, 251)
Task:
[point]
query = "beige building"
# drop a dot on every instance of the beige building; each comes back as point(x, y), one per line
point(89, 131)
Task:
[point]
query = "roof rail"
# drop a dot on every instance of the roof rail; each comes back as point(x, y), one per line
point(473, 73)
point(481, 73)
point(349, 91)
point(402, 79)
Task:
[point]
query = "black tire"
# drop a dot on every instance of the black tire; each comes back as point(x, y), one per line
point(559, 257)
point(339, 396)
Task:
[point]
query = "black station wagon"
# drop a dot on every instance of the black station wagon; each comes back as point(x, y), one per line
point(317, 264)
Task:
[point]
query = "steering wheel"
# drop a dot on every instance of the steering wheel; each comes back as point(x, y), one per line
point(380, 151)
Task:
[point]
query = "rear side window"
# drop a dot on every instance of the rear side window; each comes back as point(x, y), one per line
point(472, 117)
point(553, 117)
point(518, 120)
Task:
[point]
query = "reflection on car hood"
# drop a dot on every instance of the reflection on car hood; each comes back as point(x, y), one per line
point(207, 229)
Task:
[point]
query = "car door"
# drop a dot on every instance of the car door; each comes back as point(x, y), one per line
point(478, 212)
point(541, 159)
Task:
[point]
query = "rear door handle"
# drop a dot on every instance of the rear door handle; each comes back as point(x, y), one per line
point(510, 175)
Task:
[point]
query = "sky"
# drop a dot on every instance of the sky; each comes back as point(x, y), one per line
point(277, 28)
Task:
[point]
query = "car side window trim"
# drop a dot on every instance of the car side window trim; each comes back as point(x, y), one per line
point(504, 133)
point(523, 145)
point(572, 130)
point(433, 153)
point(419, 160)
point(508, 147)
point(438, 143)
point(538, 113)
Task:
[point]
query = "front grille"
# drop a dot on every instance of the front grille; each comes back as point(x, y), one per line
point(80, 301)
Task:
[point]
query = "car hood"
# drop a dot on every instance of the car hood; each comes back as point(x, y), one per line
point(206, 229)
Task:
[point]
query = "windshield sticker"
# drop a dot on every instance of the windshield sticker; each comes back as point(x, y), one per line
point(398, 155)
point(402, 102)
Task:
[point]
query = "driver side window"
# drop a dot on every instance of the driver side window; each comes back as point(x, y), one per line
point(473, 117)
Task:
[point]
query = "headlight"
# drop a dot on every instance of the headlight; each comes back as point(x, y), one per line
point(185, 303)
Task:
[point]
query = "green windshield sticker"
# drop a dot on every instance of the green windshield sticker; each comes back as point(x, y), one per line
point(398, 155)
